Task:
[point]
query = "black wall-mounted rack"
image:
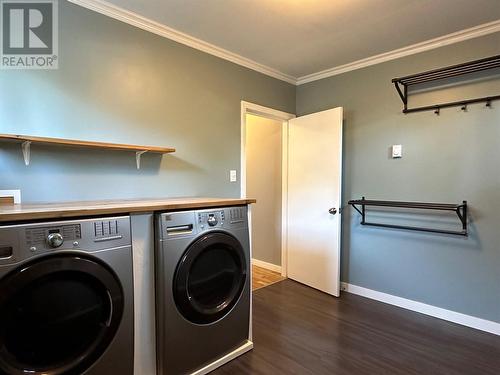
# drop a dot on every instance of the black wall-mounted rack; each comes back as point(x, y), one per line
point(404, 83)
point(460, 209)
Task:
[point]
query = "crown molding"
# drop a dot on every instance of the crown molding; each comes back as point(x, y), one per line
point(459, 36)
point(134, 19)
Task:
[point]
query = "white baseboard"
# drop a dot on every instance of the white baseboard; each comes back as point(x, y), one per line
point(437, 312)
point(267, 266)
point(222, 361)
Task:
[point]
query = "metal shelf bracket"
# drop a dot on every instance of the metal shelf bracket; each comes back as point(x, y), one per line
point(26, 148)
point(138, 155)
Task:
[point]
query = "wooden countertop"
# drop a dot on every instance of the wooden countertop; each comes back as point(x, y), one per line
point(22, 212)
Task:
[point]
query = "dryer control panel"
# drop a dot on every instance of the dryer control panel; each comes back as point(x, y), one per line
point(231, 216)
point(211, 219)
point(191, 223)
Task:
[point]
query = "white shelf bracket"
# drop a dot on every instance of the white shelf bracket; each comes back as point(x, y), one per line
point(138, 155)
point(26, 146)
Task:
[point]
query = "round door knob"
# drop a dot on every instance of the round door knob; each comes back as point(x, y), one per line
point(212, 221)
point(332, 211)
point(55, 240)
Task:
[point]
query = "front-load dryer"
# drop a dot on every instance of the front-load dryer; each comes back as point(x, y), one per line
point(202, 289)
point(66, 298)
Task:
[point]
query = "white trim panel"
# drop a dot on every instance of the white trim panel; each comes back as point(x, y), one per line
point(259, 110)
point(250, 323)
point(266, 265)
point(456, 37)
point(134, 19)
point(228, 357)
point(284, 199)
point(144, 293)
point(15, 194)
point(437, 312)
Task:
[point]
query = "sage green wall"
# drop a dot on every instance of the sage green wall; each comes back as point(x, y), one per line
point(446, 158)
point(117, 83)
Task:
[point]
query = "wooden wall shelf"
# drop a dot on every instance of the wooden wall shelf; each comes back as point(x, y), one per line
point(26, 142)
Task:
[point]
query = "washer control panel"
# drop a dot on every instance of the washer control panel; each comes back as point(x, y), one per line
point(24, 241)
point(53, 237)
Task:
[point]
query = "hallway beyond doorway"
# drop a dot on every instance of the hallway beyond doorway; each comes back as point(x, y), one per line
point(262, 277)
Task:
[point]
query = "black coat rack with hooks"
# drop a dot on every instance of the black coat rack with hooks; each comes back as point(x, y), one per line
point(460, 209)
point(404, 84)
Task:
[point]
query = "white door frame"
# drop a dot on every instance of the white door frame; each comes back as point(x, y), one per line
point(284, 117)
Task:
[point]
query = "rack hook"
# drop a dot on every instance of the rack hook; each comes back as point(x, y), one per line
point(437, 111)
point(464, 108)
point(488, 103)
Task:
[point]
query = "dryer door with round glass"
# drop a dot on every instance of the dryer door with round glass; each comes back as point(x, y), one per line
point(209, 278)
point(58, 314)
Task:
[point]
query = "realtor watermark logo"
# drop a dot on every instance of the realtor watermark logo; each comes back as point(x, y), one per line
point(28, 34)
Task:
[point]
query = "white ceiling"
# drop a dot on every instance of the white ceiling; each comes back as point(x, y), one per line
point(301, 37)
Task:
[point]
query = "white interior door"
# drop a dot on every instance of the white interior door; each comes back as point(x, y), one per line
point(314, 188)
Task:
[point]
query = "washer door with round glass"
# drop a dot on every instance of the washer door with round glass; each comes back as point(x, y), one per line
point(58, 315)
point(210, 278)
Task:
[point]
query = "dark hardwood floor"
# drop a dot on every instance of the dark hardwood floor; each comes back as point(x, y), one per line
point(298, 330)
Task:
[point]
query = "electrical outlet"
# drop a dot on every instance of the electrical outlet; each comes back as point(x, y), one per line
point(232, 175)
point(14, 195)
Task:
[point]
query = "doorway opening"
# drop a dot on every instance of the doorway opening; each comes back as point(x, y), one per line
point(264, 147)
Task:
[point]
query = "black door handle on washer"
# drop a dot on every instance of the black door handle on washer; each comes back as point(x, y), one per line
point(332, 211)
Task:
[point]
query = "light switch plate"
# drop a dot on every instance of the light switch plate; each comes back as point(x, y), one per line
point(232, 175)
point(397, 151)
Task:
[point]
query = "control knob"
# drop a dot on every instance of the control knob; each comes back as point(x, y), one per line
point(55, 240)
point(212, 220)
